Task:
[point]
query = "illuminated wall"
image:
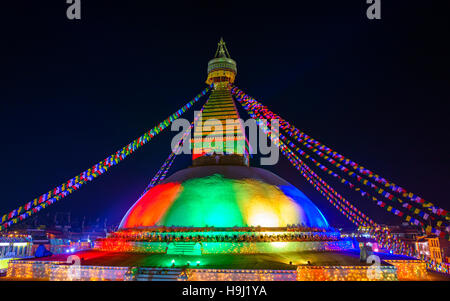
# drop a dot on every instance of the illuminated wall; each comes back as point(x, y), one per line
point(54, 270)
point(87, 273)
point(227, 247)
point(241, 275)
point(410, 269)
point(344, 273)
point(29, 269)
point(223, 202)
point(42, 270)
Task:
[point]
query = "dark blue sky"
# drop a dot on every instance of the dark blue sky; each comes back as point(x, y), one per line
point(73, 92)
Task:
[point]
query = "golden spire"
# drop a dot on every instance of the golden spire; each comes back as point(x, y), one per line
point(222, 68)
point(222, 50)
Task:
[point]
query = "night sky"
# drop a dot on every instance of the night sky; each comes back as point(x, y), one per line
point(74, 92)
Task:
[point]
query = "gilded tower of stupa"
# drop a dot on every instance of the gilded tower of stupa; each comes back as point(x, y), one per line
point(220, 138)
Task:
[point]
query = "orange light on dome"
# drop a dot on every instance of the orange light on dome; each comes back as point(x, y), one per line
point(151, 206)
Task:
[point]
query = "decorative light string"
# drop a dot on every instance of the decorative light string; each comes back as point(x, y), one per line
point(389, 208)
point(389, 241)
point(263, 112)
point(74, 183)
point(297, 161)
point(441, 267)
point(405, 205)
point(330, 172)
point(353, 214)
point(325, 169)
point(293, 131)
point(383, 237)
point(162, 172)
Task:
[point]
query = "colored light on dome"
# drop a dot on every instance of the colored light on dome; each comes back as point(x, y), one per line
point(263, 217)
point(222, 202)
point(151, 206)
point(309, 211)
point(279, 244)
point(264, 204)
point(205, 201)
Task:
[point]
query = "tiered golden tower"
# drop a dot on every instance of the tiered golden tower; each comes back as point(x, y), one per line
point(220, 137)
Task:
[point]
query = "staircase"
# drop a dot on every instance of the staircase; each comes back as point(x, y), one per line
point(184, 248)
point(158, 274)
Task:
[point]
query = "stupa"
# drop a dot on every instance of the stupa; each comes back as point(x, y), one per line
point(221, 219)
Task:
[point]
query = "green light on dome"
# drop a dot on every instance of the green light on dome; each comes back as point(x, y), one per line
point(205, 201)
point(223, 202)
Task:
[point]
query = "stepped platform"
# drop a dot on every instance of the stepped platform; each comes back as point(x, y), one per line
point(220, 261)
point(306, 265)
point(184, 248)
point(157, 274)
